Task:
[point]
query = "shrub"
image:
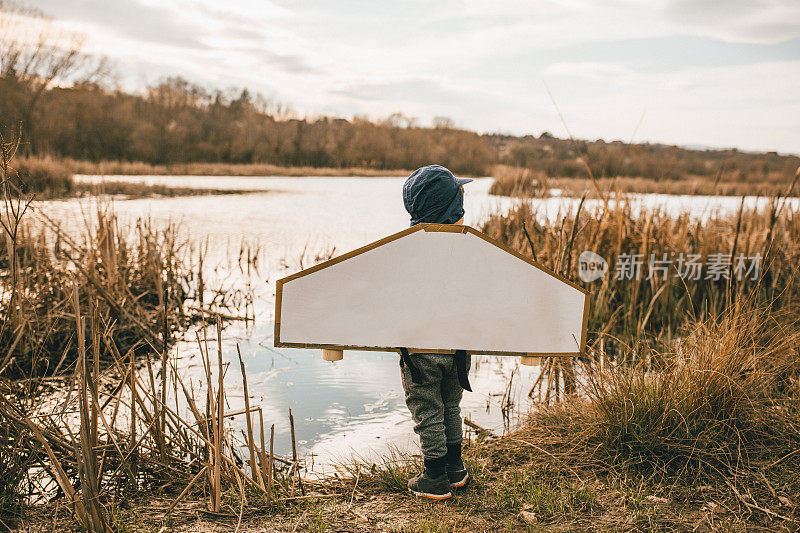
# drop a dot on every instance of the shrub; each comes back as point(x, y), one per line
point(43, 177)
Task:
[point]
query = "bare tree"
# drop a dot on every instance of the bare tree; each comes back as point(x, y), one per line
point(36, 54)
point(443, 123)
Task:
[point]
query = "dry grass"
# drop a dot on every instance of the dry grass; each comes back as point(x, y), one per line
point(143, 190)
point(721, 416)
point(138, 279)
point(110, 168)
point(527, 183)
point(117, 418)
point(725, 399)
point(627, 311)
point(707, 442)
point(45, 177)
point(135, 429)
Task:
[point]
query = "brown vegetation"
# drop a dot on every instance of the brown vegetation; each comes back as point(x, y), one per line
point(46, 178)
point(111, 168)
point(144, 190)
point(79, 318)
point(526, 183)
point(564, 158)
point(178, 123)
point(121, 432)
point(627, 311)
point(43, 177)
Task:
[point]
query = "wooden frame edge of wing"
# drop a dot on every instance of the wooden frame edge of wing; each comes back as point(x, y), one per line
point(353, 253)
point(585, 328)
point(276, 334)
point(418, 350)
point(527, 259)
point(451, 228)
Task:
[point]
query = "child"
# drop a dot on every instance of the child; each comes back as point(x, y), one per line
point(433, 383)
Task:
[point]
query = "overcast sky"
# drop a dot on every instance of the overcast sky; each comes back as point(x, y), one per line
point(694, 72)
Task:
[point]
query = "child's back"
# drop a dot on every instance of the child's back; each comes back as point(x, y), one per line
point(433, 382)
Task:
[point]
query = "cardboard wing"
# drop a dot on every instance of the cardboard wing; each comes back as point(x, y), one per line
point(432, 288)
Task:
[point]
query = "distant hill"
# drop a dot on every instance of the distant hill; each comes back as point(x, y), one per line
point(560, 158)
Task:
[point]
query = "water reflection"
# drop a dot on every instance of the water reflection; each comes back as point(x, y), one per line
point(351, 406)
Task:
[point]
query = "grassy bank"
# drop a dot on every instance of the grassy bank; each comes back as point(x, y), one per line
point(111, 168)
point(43, 177)
point(49, 178)
point(130, 190)
point(526, 183)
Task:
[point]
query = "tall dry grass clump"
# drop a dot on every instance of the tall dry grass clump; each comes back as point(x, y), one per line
point(138, 276)
point(727, 398)
point(45, 177)
point(718, 421)
point(138, 427)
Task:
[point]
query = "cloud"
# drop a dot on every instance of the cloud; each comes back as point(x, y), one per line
point(481, 63)
point(596, 71)
point(393, 91)
point(129, 18)
point(762, 21)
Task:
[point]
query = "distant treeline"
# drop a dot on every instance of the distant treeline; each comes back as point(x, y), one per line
point(178, 122)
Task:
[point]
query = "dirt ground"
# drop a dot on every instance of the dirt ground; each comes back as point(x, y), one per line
point(614, 510)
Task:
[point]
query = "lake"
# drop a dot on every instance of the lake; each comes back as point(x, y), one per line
point(354, 406)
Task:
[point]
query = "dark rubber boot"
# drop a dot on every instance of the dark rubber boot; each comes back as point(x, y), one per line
point(434, 489)
point(457, 475)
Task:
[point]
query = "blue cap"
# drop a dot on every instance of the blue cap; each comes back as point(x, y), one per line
point(433, 194)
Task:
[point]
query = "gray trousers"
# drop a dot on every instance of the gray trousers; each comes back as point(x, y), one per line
point(435, 402)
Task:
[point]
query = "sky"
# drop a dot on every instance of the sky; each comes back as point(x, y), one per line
point(717, 73)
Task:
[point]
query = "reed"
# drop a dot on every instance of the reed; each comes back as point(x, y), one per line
point(626, 312)
point(83, 414)
point(139, 278)
point(45, 177)
point(531, 183)
point(128, 428)
point(139, 168)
